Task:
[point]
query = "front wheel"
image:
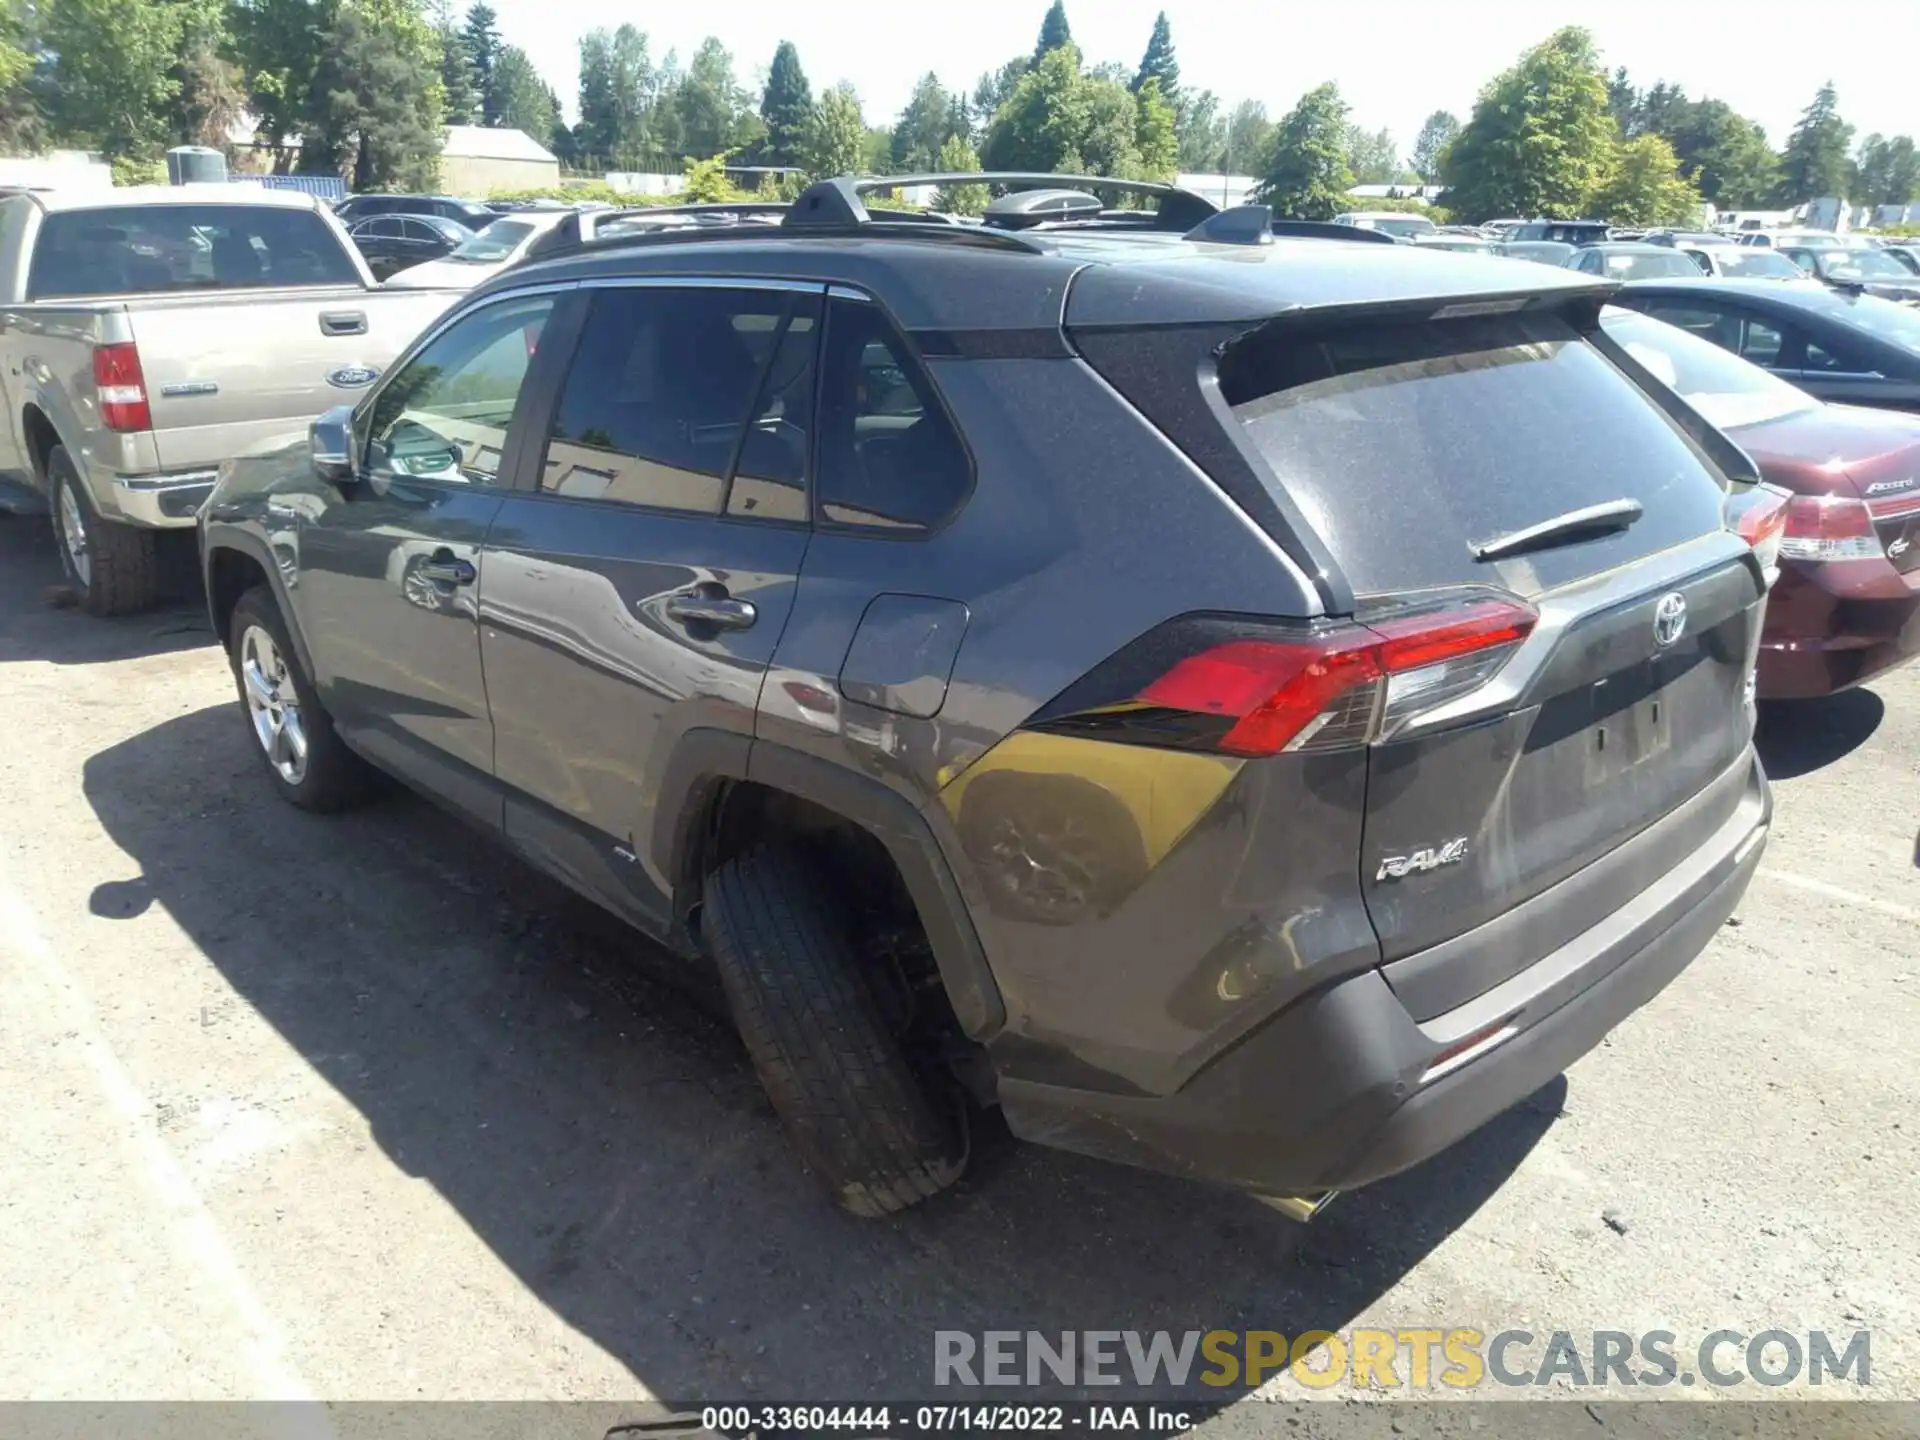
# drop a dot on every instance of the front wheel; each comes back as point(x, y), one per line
point(308, 763)
point(114, 567)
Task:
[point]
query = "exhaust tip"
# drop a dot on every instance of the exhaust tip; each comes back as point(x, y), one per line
point(1300, 1208)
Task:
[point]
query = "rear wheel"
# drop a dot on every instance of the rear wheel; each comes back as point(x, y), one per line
point(114, 567)
point(881, 1136)
point(307, 762)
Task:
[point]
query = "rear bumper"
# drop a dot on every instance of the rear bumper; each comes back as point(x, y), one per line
point(1345, 1087)
point(1833, 626)
point(162, 502)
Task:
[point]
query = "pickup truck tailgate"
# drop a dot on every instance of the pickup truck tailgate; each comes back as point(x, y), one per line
point(221, 378)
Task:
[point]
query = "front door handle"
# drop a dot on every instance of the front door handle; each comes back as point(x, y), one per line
point(343, 322)
point(722, 611)
point(443, 569)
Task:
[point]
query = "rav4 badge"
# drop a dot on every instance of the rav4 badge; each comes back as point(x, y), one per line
point(1398, 867)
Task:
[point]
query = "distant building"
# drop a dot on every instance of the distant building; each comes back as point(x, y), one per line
point(1425, 193)
point(477, 160)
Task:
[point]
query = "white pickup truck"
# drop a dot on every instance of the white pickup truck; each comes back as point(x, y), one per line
point(147, 335)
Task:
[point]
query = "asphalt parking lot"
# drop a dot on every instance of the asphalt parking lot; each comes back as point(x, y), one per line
point(360, 1109)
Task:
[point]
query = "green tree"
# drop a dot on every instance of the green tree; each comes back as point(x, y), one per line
point(20, 125)
point(1060, 119)
point(1307, 176)
point(457, 81)
point(995, 88)
point(923, 127)
point(1159, 63)
point(277, 43)
point(1887, 171)
point(1815, 163)
point(210, 98)
point(617, 96)
point(1054, 31)
point(113, 79)
point(1623, 102)
point(877, 157)
point(709, 108)
point(957, 156)
point(836, 138)
point(374, 110)
point(786, 105)
point(483, 47)
point(1202, 131)
point(1645, 187)
point(1725, 154)
point(1154, 135)
point(1439, 131)
point(521, 100)
point(1249, 139)
point(1541, 138)
point(1372, 156)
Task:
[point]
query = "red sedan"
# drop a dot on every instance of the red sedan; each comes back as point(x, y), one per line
point(1847, 604)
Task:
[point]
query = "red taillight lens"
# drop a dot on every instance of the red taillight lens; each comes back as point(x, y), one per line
point(1829, 527)
point(1345, 687)
point(122, 388)
point(1759, 517)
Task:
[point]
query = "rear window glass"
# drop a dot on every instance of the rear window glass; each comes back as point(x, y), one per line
point(1407, 445)
point(150, 249)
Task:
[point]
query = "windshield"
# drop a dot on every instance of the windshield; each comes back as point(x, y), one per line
point(152, 249)
point(1725, 389)
point(1887, 320)
point(496, 242)
point(1665, 265)
point(1859, 265)
point(1754, 264)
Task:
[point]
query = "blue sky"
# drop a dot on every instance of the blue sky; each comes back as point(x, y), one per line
point(1395, 60)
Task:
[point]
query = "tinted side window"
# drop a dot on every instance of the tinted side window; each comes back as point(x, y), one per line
point(1761, 343)
point(1837, 357)
point(889, 459)
point(656, 405)
point(444, 416)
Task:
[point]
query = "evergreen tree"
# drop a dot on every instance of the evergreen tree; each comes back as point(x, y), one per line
point(1435, 136)
point(521, 100)
point(457, 84)
point(1054, 31)
point(836, 139)
point(1155, 136)
point(483, 50)
point(1815, 163)
point(373, 113)
point(786, 105)
point(923, 126)
point(1159, 63)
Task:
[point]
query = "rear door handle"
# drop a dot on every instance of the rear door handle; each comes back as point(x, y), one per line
point(343, 322)
point(721, 611)
point(445, 570)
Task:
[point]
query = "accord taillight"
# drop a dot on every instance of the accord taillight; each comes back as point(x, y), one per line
point(1829, 527)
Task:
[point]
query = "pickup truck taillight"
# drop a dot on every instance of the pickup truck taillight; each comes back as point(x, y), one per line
point(123, 389)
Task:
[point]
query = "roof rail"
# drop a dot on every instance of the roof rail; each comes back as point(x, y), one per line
point(838, 201)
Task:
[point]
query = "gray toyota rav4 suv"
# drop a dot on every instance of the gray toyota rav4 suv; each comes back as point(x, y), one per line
point(1253, 706)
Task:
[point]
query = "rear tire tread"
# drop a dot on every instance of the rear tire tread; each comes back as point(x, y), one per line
point(125, 560)
point(852, 1104)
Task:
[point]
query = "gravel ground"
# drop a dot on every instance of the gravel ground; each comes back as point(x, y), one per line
point(359, 1109)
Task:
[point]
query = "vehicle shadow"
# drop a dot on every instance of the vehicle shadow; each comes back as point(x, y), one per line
point(39, 621)
point(604, 1135)
point(1797, 737)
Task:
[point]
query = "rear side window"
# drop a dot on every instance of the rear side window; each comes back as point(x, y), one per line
point(670, 389)
point(1407, 445)
point(889, 458)
point(151, 249)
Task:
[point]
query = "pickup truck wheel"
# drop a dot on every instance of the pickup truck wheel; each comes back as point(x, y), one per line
point(114, 567)
point(307, 762)
point(879, 1135)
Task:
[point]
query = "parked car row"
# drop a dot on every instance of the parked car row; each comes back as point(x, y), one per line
point(1340, 659)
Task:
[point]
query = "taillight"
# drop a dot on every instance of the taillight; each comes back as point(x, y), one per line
point(1829, 527)
point(1760, 518)
point(1257, 692)
point(122, 388)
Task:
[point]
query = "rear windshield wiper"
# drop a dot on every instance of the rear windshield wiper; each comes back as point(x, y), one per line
point(1583, 524)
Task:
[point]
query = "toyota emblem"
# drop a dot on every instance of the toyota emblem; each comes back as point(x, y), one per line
point(1669, 619)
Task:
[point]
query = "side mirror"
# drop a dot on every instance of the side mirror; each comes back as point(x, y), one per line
point(330, 442)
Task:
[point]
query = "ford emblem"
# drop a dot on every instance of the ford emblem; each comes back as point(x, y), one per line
point(352, 377)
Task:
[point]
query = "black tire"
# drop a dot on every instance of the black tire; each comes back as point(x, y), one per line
point(121, 563)
point(333, 777)
point(879, 1136)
